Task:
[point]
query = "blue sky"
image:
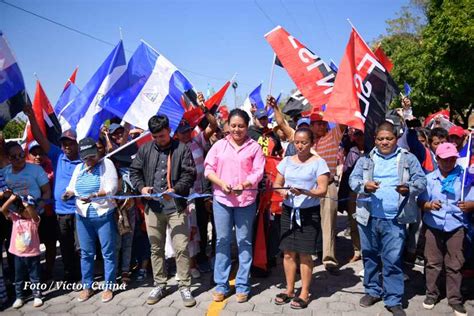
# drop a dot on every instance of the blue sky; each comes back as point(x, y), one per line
point(208, 40)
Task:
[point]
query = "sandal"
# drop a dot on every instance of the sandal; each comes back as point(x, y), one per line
point(298, 303)
point(283, 299)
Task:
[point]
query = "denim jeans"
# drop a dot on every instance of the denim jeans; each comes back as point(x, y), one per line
point(225, 219)
point(124, 244)
point(382, 242)
point(27, 268)
point(88, 229)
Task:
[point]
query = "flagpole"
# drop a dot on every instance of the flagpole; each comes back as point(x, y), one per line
point(271, 75)
point(120, 31)
point(348, 20)
point(127, 144)
point(468, 157)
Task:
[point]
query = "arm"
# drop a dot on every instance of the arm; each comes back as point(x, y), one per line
point(282, 123)
point(416, 148)
point(137, 176)
point(126, 133)
point(35, 129)
point(71, 188)
point(109, 179)
point(417, 183)
point(31, 210)
point(322, 188)
point(7, 204)
point(356, 180)
point(212, 126)
point(210, 169)
point(188, 172)
point(258, 167)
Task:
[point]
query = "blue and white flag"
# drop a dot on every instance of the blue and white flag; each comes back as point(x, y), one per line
point(253, 99)
point(407, 89)
point(156, 86)
point(85, 114)
point(13, 96)
point(271, 112)
point(64, 101)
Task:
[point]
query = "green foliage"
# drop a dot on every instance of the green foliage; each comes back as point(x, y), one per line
point(431, 43)
point(14, 129)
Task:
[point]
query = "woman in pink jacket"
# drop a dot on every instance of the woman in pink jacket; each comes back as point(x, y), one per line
point(234, 165)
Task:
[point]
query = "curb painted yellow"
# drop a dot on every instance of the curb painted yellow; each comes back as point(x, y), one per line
point(215, 308)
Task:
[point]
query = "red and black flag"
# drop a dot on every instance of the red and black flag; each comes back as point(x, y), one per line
point(45, 116)
point(312, 76)
point(363, 90)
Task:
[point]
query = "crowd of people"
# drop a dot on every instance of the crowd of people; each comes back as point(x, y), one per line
point(404, 198)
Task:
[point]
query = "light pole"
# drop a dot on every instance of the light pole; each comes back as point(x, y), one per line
point(234, 86)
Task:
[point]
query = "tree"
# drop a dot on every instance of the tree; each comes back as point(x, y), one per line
point(14, 129)
point(431, 43)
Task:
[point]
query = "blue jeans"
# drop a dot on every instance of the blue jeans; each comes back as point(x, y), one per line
point(88, 229)
point(225, 219)
point(382, 243)
point(27, 268)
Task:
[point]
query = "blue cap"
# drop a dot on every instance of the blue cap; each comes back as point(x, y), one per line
point(303, 120)
point(113, 127)
point(33, 144)
point(261, 113)
point(184, 127)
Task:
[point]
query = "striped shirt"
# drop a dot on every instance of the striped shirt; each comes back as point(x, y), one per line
point(328, 146)
point(88, 183)
point(197, 146)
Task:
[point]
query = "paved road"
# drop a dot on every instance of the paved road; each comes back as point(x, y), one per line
point(331, 296)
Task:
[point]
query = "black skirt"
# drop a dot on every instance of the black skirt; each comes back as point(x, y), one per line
point(300, 239)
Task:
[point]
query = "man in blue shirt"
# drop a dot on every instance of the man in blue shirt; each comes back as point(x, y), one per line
point(64, 160)
point(445, 219)
point(387, 183)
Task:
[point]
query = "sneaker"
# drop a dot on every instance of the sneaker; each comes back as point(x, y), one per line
point(368, 300)
point(126, 278)
point(397, 310)
point(459, 309)
point(18, 303)
point(107, 296)
point(420, 262)
point(141, 275)
point(195, 274)
point(156, 295)
point(347, 232)
point(429, 303)
point(84, 295)
point(37, 302)
point(176, 277)
point(188, 299)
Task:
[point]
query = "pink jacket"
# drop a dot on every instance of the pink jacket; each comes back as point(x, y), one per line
point(235, 167)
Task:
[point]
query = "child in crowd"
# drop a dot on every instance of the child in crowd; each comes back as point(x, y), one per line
point(24, 244)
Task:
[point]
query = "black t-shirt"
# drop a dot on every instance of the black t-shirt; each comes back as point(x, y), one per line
point(268, 140)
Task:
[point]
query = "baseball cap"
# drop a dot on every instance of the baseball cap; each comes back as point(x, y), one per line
point(303, 120)
point(114, 127)
point(456, 130)
point(69, 134)
point(261, 113)
point(32, 145)
point(447, 150)
point(87, 147)
point(317, 116)
point(184, 127)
